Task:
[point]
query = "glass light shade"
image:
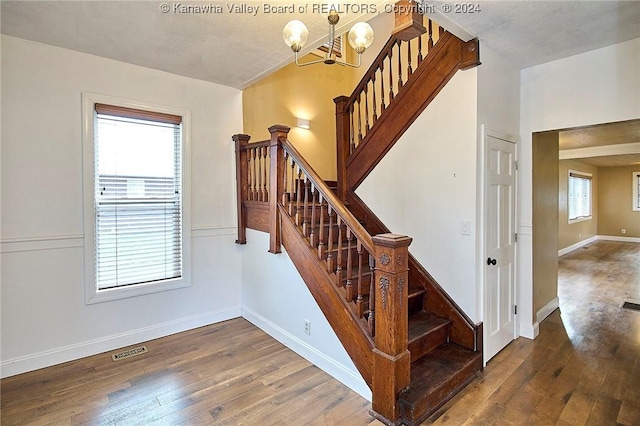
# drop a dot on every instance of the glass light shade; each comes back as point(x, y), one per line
point(361, 36)
point(295, 35)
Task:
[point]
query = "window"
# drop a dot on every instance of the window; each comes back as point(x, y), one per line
point(336, 48)
point(635, 186)
point(579, 196)
point(135, 239)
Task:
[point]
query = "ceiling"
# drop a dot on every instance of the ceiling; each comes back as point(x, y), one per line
point(622, 136)
point(236, 47)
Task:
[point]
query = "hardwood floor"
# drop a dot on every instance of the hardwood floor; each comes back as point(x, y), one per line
point(584, 368)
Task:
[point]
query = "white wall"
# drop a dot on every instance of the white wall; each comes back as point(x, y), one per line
point(426, 186)
point(276, 299)
point(44, 317)
point(595, 87)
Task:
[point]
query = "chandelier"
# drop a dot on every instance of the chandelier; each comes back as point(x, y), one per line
point(360, 37)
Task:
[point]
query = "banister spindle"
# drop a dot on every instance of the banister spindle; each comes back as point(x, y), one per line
point(352, 132)
point(371, 319)
point(321, 230)
point(330, 240)
point(382, 106)
point(419, 49)
point(285, 180)
point(409, 69)
point(340, 257)
point(366, 107)
point(305, 209)
point(375, 114)
point(359, 298)
point(299, 197)
point(254, 178)
point(312, 226)
point(265, 194)
point(349, 268)
point(359, 119)
point(399, 65)
point(430, 43)
point(391, 74)
point(292, 188)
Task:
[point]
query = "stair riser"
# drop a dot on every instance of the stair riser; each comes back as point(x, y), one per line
point(428, 342)
point(428, 405)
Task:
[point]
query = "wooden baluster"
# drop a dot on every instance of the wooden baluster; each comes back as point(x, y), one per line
point(254, 195)
point(430, 42)
point(292, 188)
point(349, 286)
point(242, 183)
point(371, 319)
point(419, 49)
point(321, 230)
point(391, 74)
point(340, 257)
point(265, 181)
point(298, 196)
point(409, 69)
point(249, 176)
point(312, 223)
point(344, 140)
point(375, 114)
point(383, 106)
point(352, 132)
point(359, 119)
point(399, 65)
point(330, 240)
point(359, 297)
point(259, 176)
point(305, 214)
point(285, 193)
point(366, 108)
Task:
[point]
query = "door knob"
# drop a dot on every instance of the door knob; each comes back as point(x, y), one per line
point(491, 261)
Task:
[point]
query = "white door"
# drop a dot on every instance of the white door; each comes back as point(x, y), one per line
point(500, 199)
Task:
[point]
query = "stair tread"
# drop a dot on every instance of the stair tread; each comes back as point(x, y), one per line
point(423, 322)
point(434, 370)
point(415, 291)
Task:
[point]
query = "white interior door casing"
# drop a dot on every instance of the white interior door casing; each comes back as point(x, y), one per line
point(500, 229)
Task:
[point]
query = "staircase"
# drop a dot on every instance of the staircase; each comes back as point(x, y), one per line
point(412, 344)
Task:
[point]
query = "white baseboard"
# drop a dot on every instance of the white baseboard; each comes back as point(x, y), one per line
point(547, 309)
point(36, 361)
point(577, 245)
point(329, 365)
point(621, 239)
point(530, 331)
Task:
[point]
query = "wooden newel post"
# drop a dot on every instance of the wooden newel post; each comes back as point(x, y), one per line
point(242, 184)
point(276, 183)
point(342, 144)
point(391, 357)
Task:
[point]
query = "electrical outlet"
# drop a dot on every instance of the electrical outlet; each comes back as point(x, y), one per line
point(624, 231)
point(307, 327)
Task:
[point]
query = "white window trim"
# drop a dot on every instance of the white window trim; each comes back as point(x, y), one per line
point(635, 176)
point(586, 175)
point(92, 294)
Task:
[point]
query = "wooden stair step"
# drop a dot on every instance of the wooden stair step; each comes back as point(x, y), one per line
point(436, 378)
point(415, 296)
point(427, 331)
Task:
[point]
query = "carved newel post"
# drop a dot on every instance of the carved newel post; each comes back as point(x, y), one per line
point(276, 183)
point(242, 184)
point(391, 357)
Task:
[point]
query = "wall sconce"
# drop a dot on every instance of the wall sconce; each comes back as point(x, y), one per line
point(303, 123)
point(360, 37)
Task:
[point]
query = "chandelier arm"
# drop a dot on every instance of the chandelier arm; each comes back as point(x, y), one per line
point(307, 63)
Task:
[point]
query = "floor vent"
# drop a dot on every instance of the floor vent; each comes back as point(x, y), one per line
point(634, 306)
point(129, 353)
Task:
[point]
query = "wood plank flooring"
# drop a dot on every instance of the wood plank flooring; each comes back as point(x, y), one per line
point(583, 369)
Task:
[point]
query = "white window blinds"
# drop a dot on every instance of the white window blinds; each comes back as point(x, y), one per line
point(138, 196)
point(579, 196)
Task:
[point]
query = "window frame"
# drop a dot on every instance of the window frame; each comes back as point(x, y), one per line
point(635, 191)
point(583, 175)
point(92, 294)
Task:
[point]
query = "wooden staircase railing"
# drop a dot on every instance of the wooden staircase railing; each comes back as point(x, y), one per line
point(369, 122)
point(359, 281)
